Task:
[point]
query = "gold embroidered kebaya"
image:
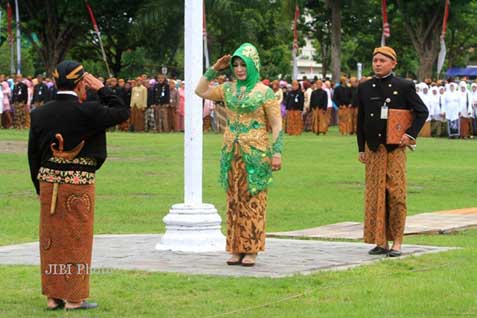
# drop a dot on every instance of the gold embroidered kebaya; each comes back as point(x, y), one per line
point(247, 153)
point(246, 129)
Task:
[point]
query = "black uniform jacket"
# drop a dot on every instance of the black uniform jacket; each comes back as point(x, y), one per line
point(120, 92)
point(295, 100)
point(20, 93)
point(160, 95)
point(319, 99)
point(75, 121)
point(371, 96)
point(342, 95)
point(40, 93)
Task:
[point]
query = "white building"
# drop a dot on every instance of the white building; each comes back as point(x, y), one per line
point(307, 66)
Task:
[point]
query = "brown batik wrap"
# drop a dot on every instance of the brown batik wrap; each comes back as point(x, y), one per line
point(345, 120)
point(66, 225)
point(319, 121)
point(19, 117)
point(245, 212)
point(385, 197)
point(66, 240)
point(294, 122)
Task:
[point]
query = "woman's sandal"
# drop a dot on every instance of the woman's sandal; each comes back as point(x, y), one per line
point(83, 306)
point(236, 259)
point(249, 260)
point(60, 304)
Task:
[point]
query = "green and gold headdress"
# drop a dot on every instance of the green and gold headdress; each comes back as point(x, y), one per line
point(249, 54)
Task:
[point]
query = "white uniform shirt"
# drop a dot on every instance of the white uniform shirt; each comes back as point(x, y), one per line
point(464, 104)
point(450, 106)
point(473, 99)
point(425, 97)
point(435, 107)
point(307, 98)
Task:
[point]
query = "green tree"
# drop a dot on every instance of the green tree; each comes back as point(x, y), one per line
point(319, 29)
point(266, 24)
point(116, 20)
point(461, 38)
point(424, 28)
point(160, 31)
point(27, 60)
point(57, 25)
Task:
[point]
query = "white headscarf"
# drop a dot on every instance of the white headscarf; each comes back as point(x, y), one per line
point(423, 95)
point(473, 97)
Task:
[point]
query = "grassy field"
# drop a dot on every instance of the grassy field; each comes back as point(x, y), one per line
point(321, 183)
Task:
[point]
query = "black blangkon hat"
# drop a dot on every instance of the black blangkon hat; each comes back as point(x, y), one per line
point(67, 74)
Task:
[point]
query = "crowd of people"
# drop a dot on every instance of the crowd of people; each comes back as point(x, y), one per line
point(313, 106)
point(157, 104)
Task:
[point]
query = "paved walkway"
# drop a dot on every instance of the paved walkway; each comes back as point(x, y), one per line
point(283, 257)
point(426, 223)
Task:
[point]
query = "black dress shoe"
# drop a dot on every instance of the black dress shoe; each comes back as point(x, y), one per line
point(394, 253)
point(378, 250)
point(84, 305)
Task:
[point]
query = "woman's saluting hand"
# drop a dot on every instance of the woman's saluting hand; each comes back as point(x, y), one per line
point(222, 63)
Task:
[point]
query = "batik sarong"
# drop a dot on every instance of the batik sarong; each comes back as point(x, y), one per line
point(66, 240)
point(294, 122)
point(245, 212)
point(385, 196)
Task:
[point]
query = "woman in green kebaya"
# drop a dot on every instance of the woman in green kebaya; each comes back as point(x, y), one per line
point(248, 157)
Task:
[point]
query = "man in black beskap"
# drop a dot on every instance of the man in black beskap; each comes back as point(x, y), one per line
point(161, 102)
point(117, 90)
point(318, 105)
point(41, 93)
point(342, 99)
point(20, 99)
point(67, 144)
point(385, 195)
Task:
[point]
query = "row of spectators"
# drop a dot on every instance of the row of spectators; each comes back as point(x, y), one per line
point(157, 104)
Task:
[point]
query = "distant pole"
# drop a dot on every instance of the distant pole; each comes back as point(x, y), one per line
point(386, 29)
point(295, 43)
point(19, 39)
point(12, 58)
point(98, 34)
point(10, 38)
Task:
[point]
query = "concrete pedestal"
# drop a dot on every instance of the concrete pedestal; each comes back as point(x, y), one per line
point(192, 229)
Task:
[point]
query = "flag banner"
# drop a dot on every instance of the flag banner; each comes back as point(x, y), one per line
point(442, 56)
point(442, 53)
point(295, 27)
point(91, 15)
point(386, 29)
point(96, 29)
point(9, 23)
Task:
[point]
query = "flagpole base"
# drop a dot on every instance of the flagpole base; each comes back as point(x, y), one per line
point(193, 229)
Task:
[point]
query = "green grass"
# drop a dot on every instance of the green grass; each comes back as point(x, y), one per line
point(321, 183)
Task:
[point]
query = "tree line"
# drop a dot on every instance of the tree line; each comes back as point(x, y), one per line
point(141, 36)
